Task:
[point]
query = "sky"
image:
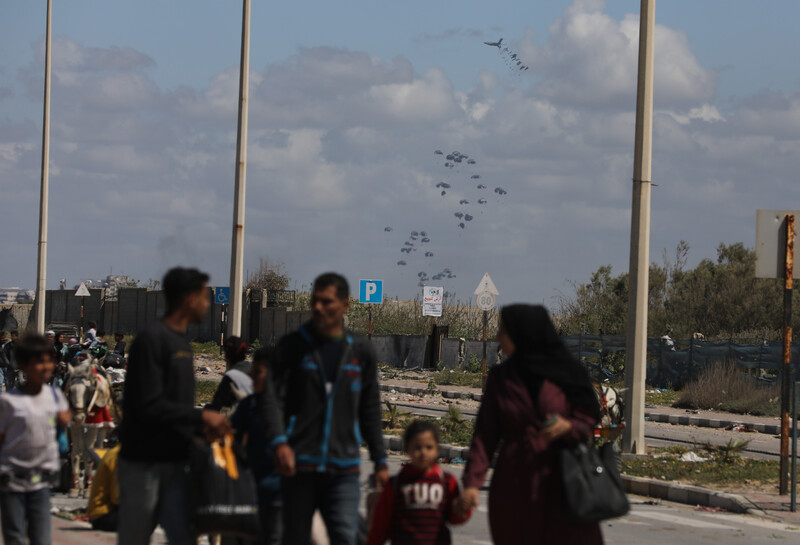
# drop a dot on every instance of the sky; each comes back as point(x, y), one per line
point(348, 103)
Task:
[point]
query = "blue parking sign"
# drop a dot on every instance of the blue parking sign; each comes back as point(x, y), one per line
point(370, 291)
point(222, 296)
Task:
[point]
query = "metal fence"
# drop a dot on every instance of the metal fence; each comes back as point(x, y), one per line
point(671, 363)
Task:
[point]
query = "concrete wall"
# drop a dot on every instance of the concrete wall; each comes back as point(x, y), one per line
point(21, 313)
point(401, 350)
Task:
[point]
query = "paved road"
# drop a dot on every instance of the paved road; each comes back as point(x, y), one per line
point(652, 523)
point(659, 523)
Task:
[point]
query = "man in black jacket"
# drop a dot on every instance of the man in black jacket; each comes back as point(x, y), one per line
point(324, 379)
point(160, 419)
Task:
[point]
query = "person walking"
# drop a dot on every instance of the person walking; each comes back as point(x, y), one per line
point(539, 399)
point(417, 505)
point(11, 358)
point(236, 383)
point(29, 460)
point(160, 419)
point(4, 360)
point(325, 387)
point(248, 423)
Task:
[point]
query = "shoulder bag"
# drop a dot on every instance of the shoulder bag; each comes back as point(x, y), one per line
point(591, 486)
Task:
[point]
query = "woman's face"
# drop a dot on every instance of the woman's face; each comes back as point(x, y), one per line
point(506, 344)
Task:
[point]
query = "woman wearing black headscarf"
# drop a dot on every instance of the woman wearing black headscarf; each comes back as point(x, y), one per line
point(539, 399)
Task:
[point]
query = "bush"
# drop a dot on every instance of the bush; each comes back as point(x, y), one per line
point(474, 365)
point(725, 387)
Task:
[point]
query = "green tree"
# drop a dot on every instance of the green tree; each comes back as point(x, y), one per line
point(721, 298)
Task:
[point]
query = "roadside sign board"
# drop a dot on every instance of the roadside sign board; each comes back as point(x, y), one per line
point(222, 295)
point(83, 291)
point(370, 291)
point(486, 301)
point(432, 297)
point(486, 286)
point(771, 243)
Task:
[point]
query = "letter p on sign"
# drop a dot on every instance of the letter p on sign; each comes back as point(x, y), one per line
point(370, 291)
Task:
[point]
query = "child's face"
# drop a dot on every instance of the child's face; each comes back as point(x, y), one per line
point(38, 370)
point(423, 450)
point(258, 372)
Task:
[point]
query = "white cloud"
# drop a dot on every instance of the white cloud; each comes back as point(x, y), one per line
point(590, 59)
point(341, 145)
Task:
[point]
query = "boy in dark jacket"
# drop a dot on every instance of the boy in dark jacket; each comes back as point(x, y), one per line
point(248, 423)
point(324, 380)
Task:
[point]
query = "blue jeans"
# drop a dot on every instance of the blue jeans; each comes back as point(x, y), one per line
point(21, 509)
point(152, 493)
point(4, 379)
point(336, 496)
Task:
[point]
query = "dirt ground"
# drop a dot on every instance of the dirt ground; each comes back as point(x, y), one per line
point(208, 367)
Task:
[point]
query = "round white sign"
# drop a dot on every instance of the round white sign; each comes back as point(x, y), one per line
point(486, 301)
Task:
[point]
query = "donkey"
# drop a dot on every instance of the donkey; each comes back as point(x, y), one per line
point(612, 406)
point(89, 395)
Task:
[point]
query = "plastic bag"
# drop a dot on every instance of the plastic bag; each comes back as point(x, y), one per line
point(224, 493)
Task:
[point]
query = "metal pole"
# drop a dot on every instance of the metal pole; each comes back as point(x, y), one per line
point(786, 368)
point(41, 265)
point(369, 325)
point(636, 342)
point(222, 327)
point(237, 243)
point(483, 365)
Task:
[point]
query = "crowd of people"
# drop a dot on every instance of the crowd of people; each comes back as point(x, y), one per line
point(301, 410)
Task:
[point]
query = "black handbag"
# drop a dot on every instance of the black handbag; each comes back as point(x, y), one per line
point(224, 495)
point(591, 485)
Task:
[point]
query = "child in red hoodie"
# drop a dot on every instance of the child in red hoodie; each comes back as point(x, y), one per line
point(418, 503)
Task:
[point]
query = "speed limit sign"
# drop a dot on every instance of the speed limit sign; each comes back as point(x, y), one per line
point(486, 301)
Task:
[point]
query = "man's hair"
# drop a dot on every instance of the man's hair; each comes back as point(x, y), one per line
point(417, 427)
point(119, 334)
point(235, 349)
point(92, 325)
point(30, 347)
point(179, 283)
point(263, 355)
point(333, 279)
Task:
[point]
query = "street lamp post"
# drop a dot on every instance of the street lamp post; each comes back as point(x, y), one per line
point(237, 242)
point(636, 342)
point(41, 264)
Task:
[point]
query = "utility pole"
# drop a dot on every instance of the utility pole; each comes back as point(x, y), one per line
point(638, 277)
point(237, 243)
point(787, 377)
point(41, 264)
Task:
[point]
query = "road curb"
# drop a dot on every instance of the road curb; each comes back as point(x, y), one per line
point(702, 422)
point(394, 442)
point(692, 495)
point(447, 394)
